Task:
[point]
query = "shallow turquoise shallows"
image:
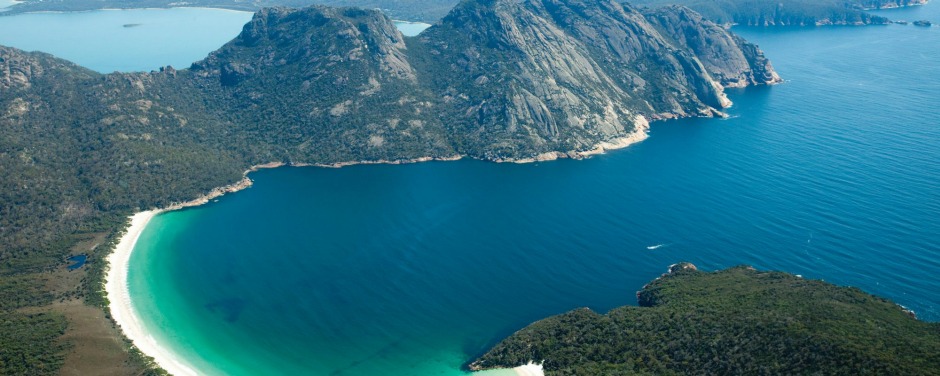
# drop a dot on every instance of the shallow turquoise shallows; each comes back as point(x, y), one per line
point(415, 269)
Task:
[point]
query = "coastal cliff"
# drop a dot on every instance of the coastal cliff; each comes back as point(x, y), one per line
point(733, 321)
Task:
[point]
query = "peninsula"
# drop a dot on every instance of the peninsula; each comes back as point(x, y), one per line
point(734, 321)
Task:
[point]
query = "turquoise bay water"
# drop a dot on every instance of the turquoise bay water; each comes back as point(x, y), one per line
point(410, 29)
point(415, 269)
point(135, 39)
point(100, 41)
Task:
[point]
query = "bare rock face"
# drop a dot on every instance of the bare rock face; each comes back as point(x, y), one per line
point(495, 79)
point(728, 58)
point(17, 70)
point(313, 39)
point(561, 75)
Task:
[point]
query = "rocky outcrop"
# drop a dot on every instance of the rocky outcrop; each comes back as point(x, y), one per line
point(727, 57)
point(555, 75)
point(499, 80)
point(313, 39)
point(17, 70)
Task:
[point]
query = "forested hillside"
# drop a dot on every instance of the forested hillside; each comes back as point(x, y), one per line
point(730, 322)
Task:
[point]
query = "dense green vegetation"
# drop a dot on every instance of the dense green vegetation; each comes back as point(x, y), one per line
point(28, 343)
point(730, 322)
point(787, 12)
point(80, 151)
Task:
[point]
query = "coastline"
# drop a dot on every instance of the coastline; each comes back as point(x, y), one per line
point(640, 133)
point(122, 311)
point(116, 288)
point(530, 369)
point(118, 294)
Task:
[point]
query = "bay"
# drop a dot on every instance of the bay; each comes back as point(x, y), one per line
point(411, 29)
point(130, 40)
point(125, 40)
point(416, 269)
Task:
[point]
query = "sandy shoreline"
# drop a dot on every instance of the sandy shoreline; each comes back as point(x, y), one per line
point(120, 300)
point(116, 287)
point(530, 369)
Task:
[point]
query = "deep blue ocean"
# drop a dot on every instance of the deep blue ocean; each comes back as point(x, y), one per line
point(415, 269)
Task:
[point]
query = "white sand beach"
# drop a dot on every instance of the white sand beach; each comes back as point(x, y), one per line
point(116, 284)
point(530, 369)
point(120, 300)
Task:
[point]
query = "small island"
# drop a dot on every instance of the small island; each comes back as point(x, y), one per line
point(730, 322)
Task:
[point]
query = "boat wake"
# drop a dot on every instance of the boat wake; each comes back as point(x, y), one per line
point(652, 247)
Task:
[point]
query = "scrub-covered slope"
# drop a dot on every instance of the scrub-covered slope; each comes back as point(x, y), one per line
point(730, 322)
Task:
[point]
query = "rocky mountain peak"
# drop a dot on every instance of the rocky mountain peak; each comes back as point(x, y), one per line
point(312, 41)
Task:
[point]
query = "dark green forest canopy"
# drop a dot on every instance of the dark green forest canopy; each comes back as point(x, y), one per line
point(730, 322)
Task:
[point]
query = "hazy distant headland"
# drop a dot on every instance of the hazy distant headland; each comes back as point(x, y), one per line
point(789, 12)
point(412, 10)
point(743, 12)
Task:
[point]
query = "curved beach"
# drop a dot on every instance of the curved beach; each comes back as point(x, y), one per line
point(123, 313)
point(120, 300)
